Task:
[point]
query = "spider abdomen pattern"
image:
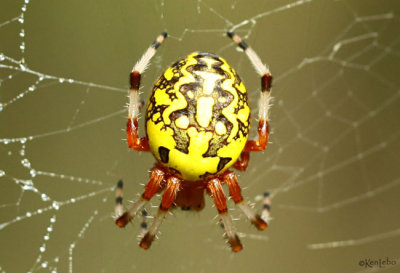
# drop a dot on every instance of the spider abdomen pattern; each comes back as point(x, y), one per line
point(198, 117)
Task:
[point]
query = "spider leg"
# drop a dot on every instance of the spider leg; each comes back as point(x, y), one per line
point(215, 188)
point(153, 186)
point(230, 178)
point(118, 199)
point(265, 97)
point(266, 207)
point(168, 198)
point(143, 224)
point(243, 161)
point(134, 141)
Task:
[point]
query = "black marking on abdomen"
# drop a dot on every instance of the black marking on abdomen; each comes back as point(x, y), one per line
point(222, 162)
point(164, 154)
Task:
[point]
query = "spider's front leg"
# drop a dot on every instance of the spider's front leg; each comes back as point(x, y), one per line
point(230, 179)
point(214, 187)
point(154, 185)
point(169, 196)
point(134, 141)
point(263, 127)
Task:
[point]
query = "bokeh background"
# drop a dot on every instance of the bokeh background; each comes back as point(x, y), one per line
point(332, 164)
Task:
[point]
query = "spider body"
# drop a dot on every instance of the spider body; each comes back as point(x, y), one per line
point(197, 125)
point(198, 117)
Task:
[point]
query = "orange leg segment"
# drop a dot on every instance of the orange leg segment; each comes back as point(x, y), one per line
point(230, 178)
point(261, 143)
point(253, 146)
point(153, 186)
point(134, 141)
point(168, 198)
point(215, 188)
point(243, 162)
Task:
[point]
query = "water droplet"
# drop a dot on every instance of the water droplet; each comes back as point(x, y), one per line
point(26, 1)
point(22, 46)
point(2, 173)
point(46, 237)
point(44, 197)
point(50, 229)
point(32, 88)
point(53, 219)
point(42, 249)
point(55, 205)
point(22, 33)
point(28, 186)
point(61, 80)
point(33, 172)
point(25, 162)
point(44, 264)
point(2, 58)
point(1, 107)
point(28, 214)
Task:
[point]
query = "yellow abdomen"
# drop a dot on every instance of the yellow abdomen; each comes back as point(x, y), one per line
point(198, 117)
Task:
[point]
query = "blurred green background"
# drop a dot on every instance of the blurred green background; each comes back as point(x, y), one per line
point(331, 165)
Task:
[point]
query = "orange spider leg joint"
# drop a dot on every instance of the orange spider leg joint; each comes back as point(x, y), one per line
point(134, 141)
point(261, 143)
point(243, 162)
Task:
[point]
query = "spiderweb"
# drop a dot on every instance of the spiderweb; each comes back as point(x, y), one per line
point(331, 165)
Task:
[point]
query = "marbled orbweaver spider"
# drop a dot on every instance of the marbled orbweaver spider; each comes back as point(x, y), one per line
point(197, 125)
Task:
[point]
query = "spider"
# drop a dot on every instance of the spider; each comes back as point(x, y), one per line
point(197, 126)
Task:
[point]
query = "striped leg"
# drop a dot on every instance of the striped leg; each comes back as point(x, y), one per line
point(153, 186)
point(235, 192)
point(266, 207)
point(215, 188)
point(143, 224)
point(118, 199)
point(168, 198)
point(266, 82)
point(134, 141)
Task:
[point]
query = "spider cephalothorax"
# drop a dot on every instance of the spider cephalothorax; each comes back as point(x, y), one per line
point(197, 126)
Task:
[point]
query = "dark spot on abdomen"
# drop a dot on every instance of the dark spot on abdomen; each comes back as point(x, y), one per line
point(164, 154)
point(222, 162)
